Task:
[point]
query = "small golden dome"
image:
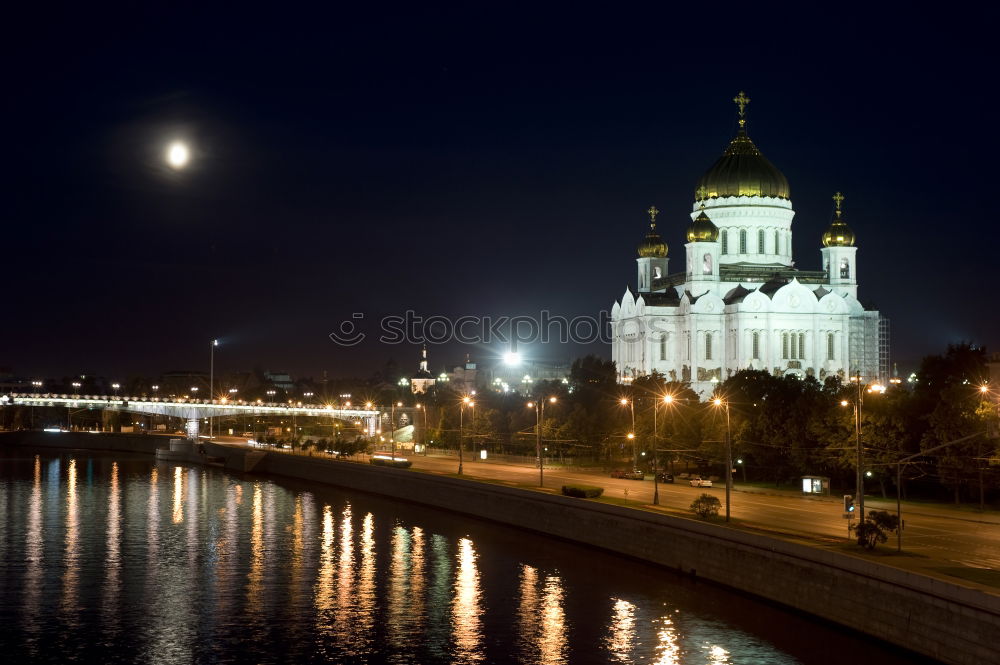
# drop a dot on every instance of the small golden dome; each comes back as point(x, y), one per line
point(702, 229)
point(653, 246)
point(839, 234)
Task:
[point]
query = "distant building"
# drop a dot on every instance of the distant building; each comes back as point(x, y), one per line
point(280, 380)
point(423, 379)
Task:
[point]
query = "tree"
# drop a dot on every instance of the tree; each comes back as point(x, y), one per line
point(706, 506)
point(876, 528)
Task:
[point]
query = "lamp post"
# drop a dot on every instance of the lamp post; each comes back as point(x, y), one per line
point(729, 453)
point(211, 385)
point(858, 401)
point(392, 427)
point(539, 407)
point(667, 399)
point(466, 401)
point(625, 401)
point(115, 387)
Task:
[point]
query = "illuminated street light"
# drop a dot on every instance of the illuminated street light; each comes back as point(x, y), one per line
point(624, 401)
point(512, 358)
point(718, 402)
point(539, 408)
point(667, 399)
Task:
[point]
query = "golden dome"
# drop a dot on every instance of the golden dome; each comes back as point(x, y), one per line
point(742, 170)
point(839, 234)
point(702, 229)
point(653, 246)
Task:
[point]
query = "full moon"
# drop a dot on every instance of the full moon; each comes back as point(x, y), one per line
point(178, 155)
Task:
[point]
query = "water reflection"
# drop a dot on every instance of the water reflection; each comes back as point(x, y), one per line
point(621, 639)
point(542, 619)
point(668, 650)
point(34, 554)
point(123, 567)
point(178, 495)
point(365, 611)
point(466, 610)
point(112, 559)
point(256, 574)
point(399, 582)
point(324, 590)
point(71, 556)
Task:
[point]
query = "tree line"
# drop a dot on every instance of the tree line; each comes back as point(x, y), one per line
point(781, 428)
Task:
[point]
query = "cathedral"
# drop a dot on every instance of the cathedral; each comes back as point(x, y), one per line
point(740, 302)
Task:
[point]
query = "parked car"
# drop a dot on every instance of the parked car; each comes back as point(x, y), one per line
point(634, 474)
point(663, 477)
point(700, 482)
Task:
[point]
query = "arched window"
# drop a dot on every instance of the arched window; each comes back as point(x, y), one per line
point(760, 242)
point(829, 346)
point(784, 346)
point(802, 346)
point(708, 346)
point(663, 346)
point(725, 241)
point(755, 343)
point(743, 241)
point(845, 269)
point(706, 265)
point(777, 248)
point(794, 346)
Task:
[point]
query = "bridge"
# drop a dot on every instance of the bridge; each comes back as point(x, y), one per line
point(193, 411)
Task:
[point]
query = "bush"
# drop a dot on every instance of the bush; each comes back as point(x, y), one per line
point(876, 528)
point(706, 506)
point(395, 463)
point(582, 491)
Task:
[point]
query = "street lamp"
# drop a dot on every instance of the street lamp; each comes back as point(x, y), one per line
point(667, 399)
point(115, 387)
point(718, 402)
point(466, 401)
point(860, 480)
point(392, 427)
point(624, 401)
point(76, 387)
point(211, 384)
point(271, 394)
point(539, 408)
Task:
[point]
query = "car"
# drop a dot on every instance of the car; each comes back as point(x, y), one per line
point(700, 482)
point(663, 477)
point(634, 474)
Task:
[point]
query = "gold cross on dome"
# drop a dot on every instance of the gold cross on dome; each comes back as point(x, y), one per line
point(741, 100)
point(653, 212)
point(838, 198)
point(702, 193)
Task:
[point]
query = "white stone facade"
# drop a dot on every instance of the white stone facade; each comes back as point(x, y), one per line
point(741, 303)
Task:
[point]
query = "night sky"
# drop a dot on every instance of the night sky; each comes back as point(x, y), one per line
point(455, 161)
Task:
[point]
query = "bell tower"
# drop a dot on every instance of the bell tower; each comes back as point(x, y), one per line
point(839, 252)
point(652, 259)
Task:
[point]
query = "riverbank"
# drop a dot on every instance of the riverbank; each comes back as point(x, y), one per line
point(935, 618)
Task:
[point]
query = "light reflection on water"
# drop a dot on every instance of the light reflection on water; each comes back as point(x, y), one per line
point(119, 560)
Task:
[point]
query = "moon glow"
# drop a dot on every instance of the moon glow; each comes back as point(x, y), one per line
point(178, 155)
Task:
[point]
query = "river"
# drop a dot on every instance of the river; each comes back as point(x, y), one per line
point(113, 558)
